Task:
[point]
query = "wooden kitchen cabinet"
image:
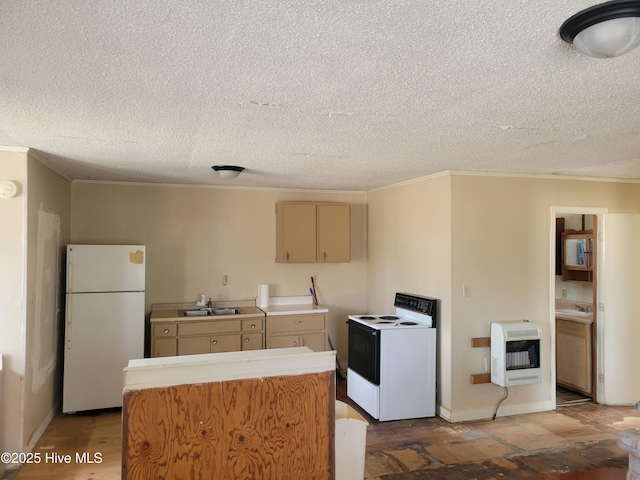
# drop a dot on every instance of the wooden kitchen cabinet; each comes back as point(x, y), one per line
point(164, 340)
point(207, 336)
point(309, 232)
point(578, 256)
point(573, 355)
point(206, 344)
point(297, 331)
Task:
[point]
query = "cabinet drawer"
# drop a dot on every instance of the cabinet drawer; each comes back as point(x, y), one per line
point(253, 325)
point(203, 328)
point(296, 323)
point(165, 330)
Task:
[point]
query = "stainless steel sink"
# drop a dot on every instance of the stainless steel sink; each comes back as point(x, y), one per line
point(195, 313)
point(211, 311)
point(225, 311)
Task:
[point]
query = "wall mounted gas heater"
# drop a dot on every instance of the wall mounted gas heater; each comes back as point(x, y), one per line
point(515, 353)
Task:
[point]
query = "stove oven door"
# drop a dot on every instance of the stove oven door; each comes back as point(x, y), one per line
point(364, 351)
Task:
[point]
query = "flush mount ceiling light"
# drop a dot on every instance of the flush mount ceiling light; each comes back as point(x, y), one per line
point(606, 30)
point(228, 172)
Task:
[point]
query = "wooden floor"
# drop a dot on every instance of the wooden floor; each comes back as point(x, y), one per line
point(573, 442)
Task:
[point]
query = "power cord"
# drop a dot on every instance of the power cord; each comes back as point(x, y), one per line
point(506, 394)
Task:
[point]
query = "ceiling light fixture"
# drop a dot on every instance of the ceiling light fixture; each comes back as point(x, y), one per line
point(228, 172)
point(607, 30)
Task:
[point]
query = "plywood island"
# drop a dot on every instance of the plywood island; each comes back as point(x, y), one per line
point(236, 415)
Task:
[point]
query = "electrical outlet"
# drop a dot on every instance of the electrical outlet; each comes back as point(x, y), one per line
point(316, 277)
point(564, 293)
point(225, 279)
point(465, 291)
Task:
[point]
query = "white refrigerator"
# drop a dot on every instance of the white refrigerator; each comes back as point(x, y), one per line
point(104, 323)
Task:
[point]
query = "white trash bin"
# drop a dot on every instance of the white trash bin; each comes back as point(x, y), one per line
point(351, 440)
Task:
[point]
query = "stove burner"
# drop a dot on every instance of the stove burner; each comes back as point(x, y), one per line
point(366, 317)
point(389, 317)
point(384, 322)
point(408, 323)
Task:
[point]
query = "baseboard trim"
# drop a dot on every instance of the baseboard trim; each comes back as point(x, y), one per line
point(40, 430)
point(486, 413)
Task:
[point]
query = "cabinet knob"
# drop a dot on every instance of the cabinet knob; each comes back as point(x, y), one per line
point(299, 321)
point(166, 330)
point(253, 325)
point(246, 340)
point(324, 255)
point(295, 343)
point(287, 256)
point(214, 341)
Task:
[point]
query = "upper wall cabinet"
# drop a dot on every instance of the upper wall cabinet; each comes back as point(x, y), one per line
point(313, 232)
point(577, 256)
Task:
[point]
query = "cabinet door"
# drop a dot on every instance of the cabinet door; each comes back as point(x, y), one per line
point(284, 341)
point(573, 355)
point(333, 225)
point(226, 343)
point(314, 341)
point(252, 341)
point(295, 232)
point(164, 347)
point(193, 345)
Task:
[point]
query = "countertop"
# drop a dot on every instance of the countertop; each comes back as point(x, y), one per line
point(170, 312)
point(295, 309)
point(218, 367)
point(297, 305)
point(571, 305)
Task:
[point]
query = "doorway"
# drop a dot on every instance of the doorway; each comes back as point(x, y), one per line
point(573, 300)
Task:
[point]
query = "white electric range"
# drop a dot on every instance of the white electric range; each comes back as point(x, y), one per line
point(392, 360)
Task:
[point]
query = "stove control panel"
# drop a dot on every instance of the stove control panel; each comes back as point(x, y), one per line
point(426, 305)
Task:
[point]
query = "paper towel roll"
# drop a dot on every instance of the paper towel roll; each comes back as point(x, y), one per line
point(263, 295)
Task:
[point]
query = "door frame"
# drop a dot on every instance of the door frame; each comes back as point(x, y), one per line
point(599, 350)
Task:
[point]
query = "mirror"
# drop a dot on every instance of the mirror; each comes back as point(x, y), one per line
point(575, 251)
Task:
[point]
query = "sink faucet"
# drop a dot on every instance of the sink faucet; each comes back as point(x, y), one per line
point(209, 303)
point(582, 309)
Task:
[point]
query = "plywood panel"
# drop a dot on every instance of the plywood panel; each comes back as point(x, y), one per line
point(275, 427)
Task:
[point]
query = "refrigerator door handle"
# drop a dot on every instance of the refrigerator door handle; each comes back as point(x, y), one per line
point(67, 329)
point(70, 273)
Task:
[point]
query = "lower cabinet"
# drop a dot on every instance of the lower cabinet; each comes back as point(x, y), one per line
point(297, 331)
point(573, 355)
point(204, 344)
point(213, 336)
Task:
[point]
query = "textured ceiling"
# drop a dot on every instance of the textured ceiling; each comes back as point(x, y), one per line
point(336, 94)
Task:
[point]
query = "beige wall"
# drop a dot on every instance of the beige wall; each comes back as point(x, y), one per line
point(48, 227)
point(195, 235)
point(12, 253)
point(29, 312)
point(501, 249)
point(499, 246)
point(409, 250)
